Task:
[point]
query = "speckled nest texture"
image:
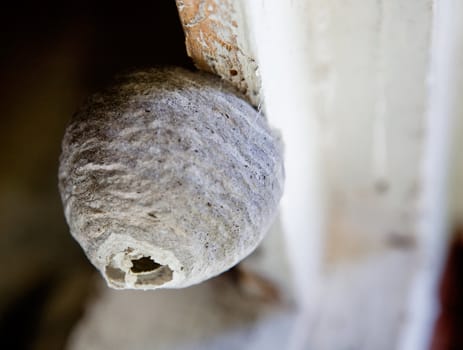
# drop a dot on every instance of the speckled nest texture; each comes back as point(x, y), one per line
point(169, 178)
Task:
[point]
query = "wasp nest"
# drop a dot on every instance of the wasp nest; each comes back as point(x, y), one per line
point(168, 178)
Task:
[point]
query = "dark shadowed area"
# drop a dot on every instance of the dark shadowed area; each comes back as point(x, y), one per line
point(51, 57)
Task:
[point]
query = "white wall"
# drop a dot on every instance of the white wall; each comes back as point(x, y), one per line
point(367, 135)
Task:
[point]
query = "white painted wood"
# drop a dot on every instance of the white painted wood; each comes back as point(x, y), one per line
point(441, 167)
point(456, 88)
point(347, 83)
point(285, 73)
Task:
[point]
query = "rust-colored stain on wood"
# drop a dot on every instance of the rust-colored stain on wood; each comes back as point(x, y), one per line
point(212, 39)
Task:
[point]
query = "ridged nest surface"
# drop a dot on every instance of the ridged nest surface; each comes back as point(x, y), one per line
point(168, 178)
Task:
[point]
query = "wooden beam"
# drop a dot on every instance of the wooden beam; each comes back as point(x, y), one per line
point(217, 40)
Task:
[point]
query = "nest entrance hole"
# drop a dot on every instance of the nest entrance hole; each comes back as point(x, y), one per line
point(144, 264)
point(148, 274)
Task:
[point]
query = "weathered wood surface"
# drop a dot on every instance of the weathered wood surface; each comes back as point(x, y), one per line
point(217, 40)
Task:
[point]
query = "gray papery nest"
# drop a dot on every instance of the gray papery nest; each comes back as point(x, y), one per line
point(169, 178)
